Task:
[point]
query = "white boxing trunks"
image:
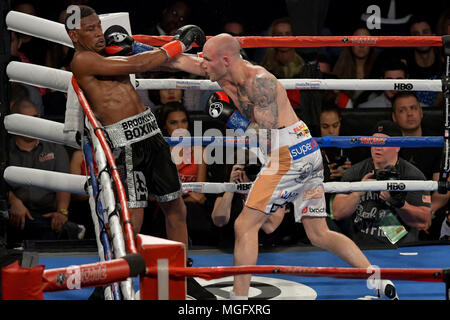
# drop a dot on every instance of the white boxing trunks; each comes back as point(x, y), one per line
point(293, 172)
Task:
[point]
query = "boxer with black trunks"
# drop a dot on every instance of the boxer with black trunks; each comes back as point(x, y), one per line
point(293, 171)
point(142, 155)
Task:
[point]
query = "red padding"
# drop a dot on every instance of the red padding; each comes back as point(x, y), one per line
point(19, 283)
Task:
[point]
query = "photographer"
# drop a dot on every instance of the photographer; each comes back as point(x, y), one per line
point(335, 160)
point(384, 217)
point(228, 206)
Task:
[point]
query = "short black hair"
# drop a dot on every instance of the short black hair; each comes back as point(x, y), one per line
point(85, 11)
point(331, 107)
point(418, 18)
point(393, 64)
point(403, 94)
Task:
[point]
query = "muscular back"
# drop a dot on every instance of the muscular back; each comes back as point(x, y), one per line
point(106, 84)
point(262, 99)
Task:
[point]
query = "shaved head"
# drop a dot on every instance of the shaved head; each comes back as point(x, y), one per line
point(225, 44)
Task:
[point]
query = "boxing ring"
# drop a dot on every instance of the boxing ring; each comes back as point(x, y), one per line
point(160, 264)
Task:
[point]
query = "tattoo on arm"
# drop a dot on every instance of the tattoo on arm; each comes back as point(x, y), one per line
point(264, 94)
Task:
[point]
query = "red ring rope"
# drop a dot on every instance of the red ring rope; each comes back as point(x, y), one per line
point(316, 41)
point(208, 273)
point(102, 273)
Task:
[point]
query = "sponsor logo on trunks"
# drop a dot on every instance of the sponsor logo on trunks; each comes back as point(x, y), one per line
point(303, 148)
point(140, 186)
point(315, 193)
point(288, 196)
point(46, 156)
point(312, 210)
point(394, 186)
point(403, 86)
point(301, 131)
point(373, 140)
point(139, 127)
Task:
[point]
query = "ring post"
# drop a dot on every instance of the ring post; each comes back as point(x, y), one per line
point(164, 254)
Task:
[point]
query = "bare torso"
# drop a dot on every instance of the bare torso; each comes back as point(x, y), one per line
point(112, 98)
point(261, 98)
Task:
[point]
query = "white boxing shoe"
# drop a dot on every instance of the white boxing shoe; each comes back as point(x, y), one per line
point(386, 291)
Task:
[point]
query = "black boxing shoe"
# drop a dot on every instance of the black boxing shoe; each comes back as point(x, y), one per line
point(194, 290)
point(387, 291)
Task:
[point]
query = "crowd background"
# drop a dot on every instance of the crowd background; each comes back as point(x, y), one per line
point(321, 110)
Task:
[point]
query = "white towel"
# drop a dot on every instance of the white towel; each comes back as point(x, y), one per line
point(74, 113)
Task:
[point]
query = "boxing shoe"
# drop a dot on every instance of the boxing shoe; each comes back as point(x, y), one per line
point(386, 290)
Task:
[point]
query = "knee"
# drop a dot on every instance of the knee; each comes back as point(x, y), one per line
point(175, 208)
point(318, 238)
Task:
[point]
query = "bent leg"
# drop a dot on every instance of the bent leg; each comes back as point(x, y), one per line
point(320, 236)
point(175, 213)
point(246, 229)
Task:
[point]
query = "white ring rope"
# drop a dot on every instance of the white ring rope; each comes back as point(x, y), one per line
point(72, 183)
point(55, 31)
point(42, 129)
point(303, 84)
point(59, 80)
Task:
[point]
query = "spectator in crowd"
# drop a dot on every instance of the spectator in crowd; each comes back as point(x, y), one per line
point(338, 97)
point(385, 217)
point(392, 69)
point(407, 114)
point(228, 206)
point(284, 62)
point(34, 93)
point(36, 213)
point(59, 56)
point(79, 204)
point(175, 15)
point(32, 49)
point(355, 62)
point(443, 23)
point(424, 62)
point(336, 160)
point(158, 98)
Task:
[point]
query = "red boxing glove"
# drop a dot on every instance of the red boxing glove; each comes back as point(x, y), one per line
point(183, 40)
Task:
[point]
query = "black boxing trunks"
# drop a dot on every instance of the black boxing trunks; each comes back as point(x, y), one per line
point(143, 160)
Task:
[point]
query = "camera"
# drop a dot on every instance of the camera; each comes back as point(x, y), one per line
point(252, 170)
point(331, 156)
point(339, 160)
point(388, 173)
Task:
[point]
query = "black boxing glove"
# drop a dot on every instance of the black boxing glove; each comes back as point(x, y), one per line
point(219, 106)
point(183, 40)
point(120, 43)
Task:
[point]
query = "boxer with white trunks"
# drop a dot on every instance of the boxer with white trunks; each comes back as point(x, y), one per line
point(293, 171)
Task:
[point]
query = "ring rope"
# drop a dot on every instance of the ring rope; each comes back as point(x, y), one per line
point(209, 273)
point(315, 41)
point(74, 183)
point(101, 273)
point(103, 245)
point(129, 237)
point(60, 80)
point(55, 31)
